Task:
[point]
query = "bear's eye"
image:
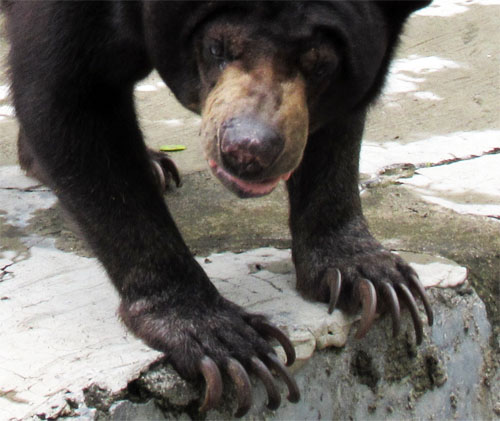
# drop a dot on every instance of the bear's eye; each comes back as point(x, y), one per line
point(216, 49)
point(217, 52)
point(318, 63)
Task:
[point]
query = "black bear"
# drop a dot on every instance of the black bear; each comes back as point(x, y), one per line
point(283, 89)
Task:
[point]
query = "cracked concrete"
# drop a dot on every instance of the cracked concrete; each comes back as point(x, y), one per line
point(430, 170)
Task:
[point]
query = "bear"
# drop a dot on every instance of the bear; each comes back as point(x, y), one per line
point(283, 89)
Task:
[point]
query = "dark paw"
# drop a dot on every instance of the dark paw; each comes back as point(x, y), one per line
point(375, 280)
point(165, 169)
point(200, 339)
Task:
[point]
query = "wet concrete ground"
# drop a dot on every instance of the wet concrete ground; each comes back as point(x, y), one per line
point(430, 161)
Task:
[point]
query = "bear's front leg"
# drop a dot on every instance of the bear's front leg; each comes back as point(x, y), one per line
point(88, 147)
point(337, 260)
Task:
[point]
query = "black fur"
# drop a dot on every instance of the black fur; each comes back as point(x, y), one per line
point(74, 66)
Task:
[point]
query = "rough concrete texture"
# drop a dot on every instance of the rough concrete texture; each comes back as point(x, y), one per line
point(430, 174)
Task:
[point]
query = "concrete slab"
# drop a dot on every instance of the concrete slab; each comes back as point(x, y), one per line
point(471, 186)
point(378, 156)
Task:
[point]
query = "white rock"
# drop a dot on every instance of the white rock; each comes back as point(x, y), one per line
point(471, 186)
point(375, 156)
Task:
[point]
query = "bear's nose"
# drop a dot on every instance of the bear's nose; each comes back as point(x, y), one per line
point(248, 146)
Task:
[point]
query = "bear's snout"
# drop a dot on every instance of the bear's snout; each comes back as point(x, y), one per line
point(248, 146)
point(254, 127)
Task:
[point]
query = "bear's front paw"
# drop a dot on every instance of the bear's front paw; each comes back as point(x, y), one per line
point(205, 339)
point(358, 272)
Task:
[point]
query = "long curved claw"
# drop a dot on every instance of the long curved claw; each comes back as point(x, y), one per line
point(412, 306)
point(274, 362)
point(392, 301)
point(334, 280)
point(274, 397)
point(243, 387)
point(165, 168)
point(169, 165)
point(161, 175)
point(368, 298)
point(213, 380)
point(419, 289)
point(272, 331)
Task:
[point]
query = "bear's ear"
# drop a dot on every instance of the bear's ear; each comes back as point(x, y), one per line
point(401, 9)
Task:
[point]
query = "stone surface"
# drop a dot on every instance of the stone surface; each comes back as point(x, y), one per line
point(377, 156)
point(470, 186)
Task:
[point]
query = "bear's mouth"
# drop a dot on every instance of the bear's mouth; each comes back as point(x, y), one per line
point(246, 189)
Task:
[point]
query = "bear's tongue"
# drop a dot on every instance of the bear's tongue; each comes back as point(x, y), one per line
point(244, 188)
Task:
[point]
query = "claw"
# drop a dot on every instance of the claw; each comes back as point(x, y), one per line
point(269, 329)
point(334, 280)
point(393, 303)
point(274, 397)
point(213, 380)
point(161, 175)
point(243, 387)
point(412, 306)
point(419, 289)
point(172, 169)
point(368, 298)
point(163, 166)
point(274, 362)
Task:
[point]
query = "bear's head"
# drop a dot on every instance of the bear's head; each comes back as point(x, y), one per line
point(265, 75)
